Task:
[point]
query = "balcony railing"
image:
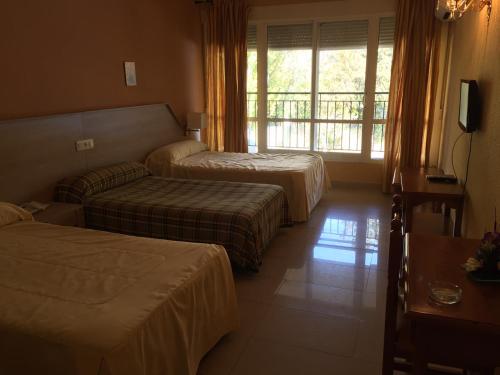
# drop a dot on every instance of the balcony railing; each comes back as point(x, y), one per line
point(338, 123)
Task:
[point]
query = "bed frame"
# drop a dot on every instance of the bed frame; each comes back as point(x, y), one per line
point(35, 153)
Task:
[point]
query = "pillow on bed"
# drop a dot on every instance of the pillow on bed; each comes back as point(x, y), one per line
point(75, 189)
point(10, 213)
point(161, 159)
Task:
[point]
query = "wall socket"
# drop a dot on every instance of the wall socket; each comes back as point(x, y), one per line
point(84, 144)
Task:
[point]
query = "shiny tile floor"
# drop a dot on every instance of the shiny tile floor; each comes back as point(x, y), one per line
point(317, 305)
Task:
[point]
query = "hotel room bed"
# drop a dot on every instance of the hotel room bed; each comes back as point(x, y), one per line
point(303, 176)
point(78, 301)
point(242, 217)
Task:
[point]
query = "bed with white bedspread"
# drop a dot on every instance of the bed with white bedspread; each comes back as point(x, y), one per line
point(303, 176)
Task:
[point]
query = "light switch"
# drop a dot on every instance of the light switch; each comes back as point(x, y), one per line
point(130, 78)
point(84, 144)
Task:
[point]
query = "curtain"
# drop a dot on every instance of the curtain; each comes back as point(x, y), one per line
point(225, 59)
point(412, 91)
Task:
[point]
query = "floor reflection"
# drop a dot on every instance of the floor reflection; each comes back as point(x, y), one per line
point(353, 242)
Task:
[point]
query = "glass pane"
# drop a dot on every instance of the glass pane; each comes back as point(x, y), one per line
point(378, 145)
point(252, 71)
point(342, 71)
point(383, 81)
point(340, 106)
point(252, 136)
point(252, 100)
point(288, 135)
point(289, 83)
point(338, 137)
point(384, 63)
point(289, 98)
point(289, 71)
point(289, 105)
point(341, 86)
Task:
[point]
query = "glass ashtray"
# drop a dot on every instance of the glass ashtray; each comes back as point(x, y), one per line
point(444, 292)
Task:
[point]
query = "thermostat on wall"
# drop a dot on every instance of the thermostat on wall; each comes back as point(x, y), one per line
point(130, 78)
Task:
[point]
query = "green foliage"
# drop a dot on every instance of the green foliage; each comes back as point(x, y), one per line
point(342, 70)
point(289, 70)
point(384, 63)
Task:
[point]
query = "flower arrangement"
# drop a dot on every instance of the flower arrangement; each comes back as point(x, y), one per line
point(487, 259)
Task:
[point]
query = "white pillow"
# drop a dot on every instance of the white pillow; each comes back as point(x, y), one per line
point(160, 160)
point(10, 213)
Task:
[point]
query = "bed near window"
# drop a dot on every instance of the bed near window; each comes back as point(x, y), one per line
point(124, 198)
point(78, 301)
point(303, 176)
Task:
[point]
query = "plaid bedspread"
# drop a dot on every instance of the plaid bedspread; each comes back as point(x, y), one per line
point(242, 217)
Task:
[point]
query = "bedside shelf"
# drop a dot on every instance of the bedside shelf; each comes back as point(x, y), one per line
point(66, 214)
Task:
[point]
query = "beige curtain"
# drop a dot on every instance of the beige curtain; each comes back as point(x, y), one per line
point(225, 56)
point(413, 87)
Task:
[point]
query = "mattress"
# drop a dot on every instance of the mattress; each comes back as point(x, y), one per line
point(242, 217)
point(303, 176)
point(77, 301)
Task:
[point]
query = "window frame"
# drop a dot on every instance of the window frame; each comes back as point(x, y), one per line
point(369, 93)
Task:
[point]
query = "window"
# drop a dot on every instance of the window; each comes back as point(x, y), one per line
point(252, 102)
point(319, 93)
point(289, 69)
point(341, 86)
point(384, 63)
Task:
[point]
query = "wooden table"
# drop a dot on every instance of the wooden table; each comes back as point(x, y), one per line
point(467, 333)
point(416, 189)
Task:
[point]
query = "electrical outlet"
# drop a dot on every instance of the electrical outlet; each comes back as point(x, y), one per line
point(84, 144)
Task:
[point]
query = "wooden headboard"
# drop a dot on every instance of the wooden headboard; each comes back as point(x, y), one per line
point(35, 153)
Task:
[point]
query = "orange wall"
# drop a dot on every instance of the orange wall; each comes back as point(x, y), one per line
point(279, 2)
point(475, 53)
point(67, 56)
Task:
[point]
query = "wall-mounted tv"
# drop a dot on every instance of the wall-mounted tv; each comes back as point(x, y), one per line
point(468, 115)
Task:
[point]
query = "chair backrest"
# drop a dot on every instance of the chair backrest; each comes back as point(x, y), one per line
point(391, 309)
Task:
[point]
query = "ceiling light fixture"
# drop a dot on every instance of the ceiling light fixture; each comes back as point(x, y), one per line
point(451, 10)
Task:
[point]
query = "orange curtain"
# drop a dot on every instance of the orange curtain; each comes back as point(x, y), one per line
point(413, 87)
point(225, 54)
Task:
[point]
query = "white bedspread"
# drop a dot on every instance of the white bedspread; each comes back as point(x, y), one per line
point(303, 176)
point(76, 301)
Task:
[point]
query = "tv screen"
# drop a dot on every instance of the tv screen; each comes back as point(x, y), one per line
point(469, 106)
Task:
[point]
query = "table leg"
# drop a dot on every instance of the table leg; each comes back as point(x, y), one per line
point(419, 356)
point(458, 220)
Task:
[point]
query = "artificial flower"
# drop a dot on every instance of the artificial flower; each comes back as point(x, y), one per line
point(472, 264)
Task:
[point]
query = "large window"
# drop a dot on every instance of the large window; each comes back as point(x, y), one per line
point(319, 93)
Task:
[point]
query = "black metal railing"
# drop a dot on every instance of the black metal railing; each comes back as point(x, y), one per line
point(338, 122)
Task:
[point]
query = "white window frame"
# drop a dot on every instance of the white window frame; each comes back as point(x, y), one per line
point(369, 94)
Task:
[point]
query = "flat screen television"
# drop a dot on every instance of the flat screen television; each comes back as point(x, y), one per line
point(468, 115)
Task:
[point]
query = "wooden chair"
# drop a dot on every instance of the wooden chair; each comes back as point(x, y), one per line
point(395, 343)
point(398, 348)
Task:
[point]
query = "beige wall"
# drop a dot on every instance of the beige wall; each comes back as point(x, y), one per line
point(66, 56)
point(366, 173)
point(475, 55)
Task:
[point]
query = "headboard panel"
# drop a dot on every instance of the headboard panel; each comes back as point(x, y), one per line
point(35, 153)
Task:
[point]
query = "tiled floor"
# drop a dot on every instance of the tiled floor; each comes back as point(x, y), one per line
point(317, 305)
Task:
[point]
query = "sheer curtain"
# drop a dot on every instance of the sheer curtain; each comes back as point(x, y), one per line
point(413, 87)
point(224, 28)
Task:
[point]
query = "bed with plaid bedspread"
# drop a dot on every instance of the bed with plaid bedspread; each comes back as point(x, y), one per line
point(243, 217)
